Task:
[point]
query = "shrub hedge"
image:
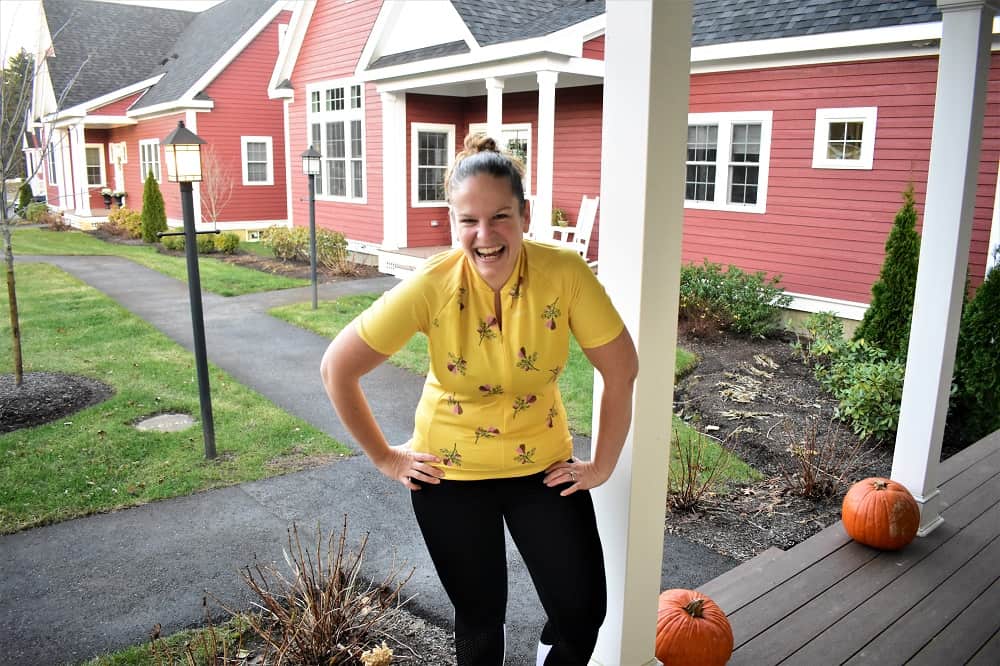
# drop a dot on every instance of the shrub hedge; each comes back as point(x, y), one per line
point(712, 300)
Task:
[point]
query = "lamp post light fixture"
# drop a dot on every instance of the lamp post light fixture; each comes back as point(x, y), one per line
point(182, 149)
point(311, 167)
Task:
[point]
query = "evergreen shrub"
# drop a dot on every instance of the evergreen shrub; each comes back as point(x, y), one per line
point(977, 362)
point(24, 198)
point(886, 323)
point(746, 303)
point(154, 214)
point(287, 243)
point(173, 243)
point(124, 222)
point(35, 212)
point(206, 243)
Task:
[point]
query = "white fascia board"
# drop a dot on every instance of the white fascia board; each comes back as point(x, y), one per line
point(109, 120)
point(83, 108)
point(481, 71)
point(566, 42)
point(843, 309)
point(176, 106)
point(235, 50)
point(298, 25)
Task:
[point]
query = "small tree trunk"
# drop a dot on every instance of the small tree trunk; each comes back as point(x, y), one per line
point(15, 327)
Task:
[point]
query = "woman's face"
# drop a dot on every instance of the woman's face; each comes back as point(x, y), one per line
point(490, 225)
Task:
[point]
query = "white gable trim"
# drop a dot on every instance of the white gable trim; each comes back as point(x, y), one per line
point(83, 108)
point(297, 28)
point(386, 18)
point(480, 71)
point(176, 106)
point(235, 50)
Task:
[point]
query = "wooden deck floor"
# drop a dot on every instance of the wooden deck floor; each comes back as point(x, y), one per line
point(830, 600)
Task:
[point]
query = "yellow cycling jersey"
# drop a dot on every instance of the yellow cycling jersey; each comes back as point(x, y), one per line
point(491, 406)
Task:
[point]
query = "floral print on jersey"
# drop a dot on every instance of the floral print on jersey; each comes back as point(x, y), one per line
point(456, 364)
point(550, 314)
point(555, 374)
point(486, 433)
point(451, 458)
point(456, 406)
point(526, 361)
point(524, 455)
point(487, 328)
point(551, 416)
point(523, 402)
point(487, 390)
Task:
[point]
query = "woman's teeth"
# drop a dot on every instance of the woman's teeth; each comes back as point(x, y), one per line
point(487, 252)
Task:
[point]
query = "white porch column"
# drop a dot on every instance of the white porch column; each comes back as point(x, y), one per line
point(647, 66)
point(78, 148)
point(64, 175)
point(541, 205)
point(494, 108)
point(394, 152)
point(944, 248)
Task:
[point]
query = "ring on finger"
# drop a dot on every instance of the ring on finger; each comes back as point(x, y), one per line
point(572, 475)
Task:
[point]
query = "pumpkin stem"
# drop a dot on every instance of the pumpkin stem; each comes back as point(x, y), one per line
point(694, 607)
point(879, 484)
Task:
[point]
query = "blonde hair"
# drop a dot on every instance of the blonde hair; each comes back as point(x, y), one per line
point(480, 155)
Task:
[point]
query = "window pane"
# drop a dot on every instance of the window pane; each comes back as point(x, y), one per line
point(336, 177)
point(432, 149)
point(746, 143)
point(256, 172)
point(335, 140)
point(700, 182)
point(357, 171)
point(356, 138)
point(852, 150)
point(743, 184)
point(317, 143)
point(837, 131)
point(256, 151)
point(355, 97)
point(835, 151)
point(315, 101)
point(430, 184)
point(853, 131)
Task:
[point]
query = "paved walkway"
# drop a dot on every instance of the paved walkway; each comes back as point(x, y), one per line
point(83, 587)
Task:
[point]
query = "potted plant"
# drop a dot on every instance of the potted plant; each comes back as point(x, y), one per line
point(119, 197)
point(106, 193)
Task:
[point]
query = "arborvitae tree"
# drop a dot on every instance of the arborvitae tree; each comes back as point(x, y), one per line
point(887, 322)
point(154, 215)
point(24, 197)
point(977, 362)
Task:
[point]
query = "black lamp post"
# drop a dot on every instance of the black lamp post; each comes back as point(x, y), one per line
point(183, 156)
point(311, 167)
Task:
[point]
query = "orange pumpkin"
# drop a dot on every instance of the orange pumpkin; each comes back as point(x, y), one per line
point(880, 513)
point(692, 630)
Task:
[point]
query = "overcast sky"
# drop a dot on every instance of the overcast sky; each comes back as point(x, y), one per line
point(19, 20)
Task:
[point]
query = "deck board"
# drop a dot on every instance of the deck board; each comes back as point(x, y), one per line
point(830, 600)
point(958, 642)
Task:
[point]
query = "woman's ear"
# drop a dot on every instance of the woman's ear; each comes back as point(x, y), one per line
point(525, 217)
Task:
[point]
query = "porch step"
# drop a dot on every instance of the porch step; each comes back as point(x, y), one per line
point(398, 265)
point(738, 586)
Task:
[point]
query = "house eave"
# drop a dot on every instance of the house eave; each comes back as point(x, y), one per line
point(175, 106)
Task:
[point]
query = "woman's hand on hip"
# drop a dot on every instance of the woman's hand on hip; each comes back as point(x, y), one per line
point(580, 474)
point(406, 466)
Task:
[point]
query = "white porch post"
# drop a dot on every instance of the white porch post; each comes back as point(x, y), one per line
point(647, 66)
point(64, 172)
point(393, 170)
point(944, 248)
point(78, 147)
point(494, 108)
point(541, 205)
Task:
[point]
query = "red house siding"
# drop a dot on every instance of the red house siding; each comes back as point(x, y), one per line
point(116, 108)
point(594, 48)
point(243, 109)
point(152, 128)
point(824, 230)
point(430, 109)
point(345, 26)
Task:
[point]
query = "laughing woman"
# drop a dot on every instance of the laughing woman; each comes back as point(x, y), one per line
point(490, 444)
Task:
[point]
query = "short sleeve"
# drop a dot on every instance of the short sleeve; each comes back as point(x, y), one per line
point(391, 321)
point(592, 317)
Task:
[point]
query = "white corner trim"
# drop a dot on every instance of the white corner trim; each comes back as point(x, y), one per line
point(236, 49)
point(868, 116)
point(843, 309)
point(285, 63)
point(288, 160)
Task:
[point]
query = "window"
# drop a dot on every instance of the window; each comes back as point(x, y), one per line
point(95, 165)
point(516, 140)
point(337, 131)
point(727, 160)
point(53, 171)
point(149, 158)
point(432, 148)
point(258, 160)
point(845, 138)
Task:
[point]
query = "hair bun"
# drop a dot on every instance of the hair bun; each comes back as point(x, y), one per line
point(479, 143)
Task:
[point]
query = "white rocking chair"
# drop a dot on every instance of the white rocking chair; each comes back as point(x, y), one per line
point(577, 237)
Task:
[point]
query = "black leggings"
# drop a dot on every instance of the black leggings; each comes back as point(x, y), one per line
point(462, 523)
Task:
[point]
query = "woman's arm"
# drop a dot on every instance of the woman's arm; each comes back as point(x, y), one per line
point(618, 364)
point(346, 361)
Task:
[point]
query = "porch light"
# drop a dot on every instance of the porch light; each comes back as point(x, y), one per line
point(310, 162)
point(182, 149)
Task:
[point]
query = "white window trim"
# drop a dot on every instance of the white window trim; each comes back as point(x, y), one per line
point(269, 147)
point(104, 170)
point(865, 114)
point(52, 176)
point(415, 129)
point(725, 121)
point(346, 116)
point(481, 127)
point(143, 172)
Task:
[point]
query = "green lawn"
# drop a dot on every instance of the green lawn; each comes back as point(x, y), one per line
point(217, 276)
point(94, 460)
